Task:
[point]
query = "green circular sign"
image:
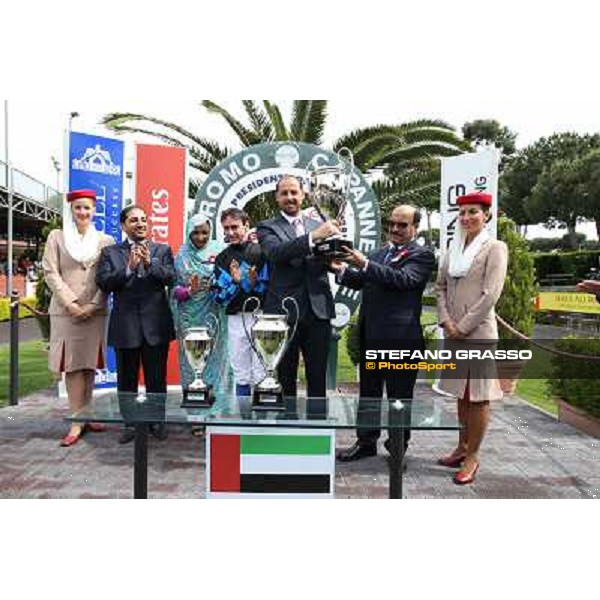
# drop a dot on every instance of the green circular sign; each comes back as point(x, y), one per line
point(257, 169)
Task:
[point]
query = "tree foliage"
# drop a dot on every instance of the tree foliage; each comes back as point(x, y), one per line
point(566, 192)
point(527, 165)
point(489, 131)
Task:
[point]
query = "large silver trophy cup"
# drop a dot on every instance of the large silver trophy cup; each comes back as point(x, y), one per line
point(198, 344)
point(270, 338)
point(329, 192)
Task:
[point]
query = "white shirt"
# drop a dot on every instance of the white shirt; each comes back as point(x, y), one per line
point(300, 231)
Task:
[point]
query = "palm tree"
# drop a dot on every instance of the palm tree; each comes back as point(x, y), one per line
point(416, 141)
point(408, 151)
point(265, 124)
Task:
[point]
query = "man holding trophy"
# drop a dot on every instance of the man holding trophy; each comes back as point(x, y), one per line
point(288, 242)
point(392, 280)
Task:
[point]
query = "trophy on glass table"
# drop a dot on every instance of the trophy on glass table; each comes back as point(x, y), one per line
point(269, 336)
point(329, 191)
point(198, 344)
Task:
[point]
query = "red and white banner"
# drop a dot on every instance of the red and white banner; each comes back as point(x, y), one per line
point(161, 190)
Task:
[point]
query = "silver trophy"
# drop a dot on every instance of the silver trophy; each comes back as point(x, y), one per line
point(329, 192)
point(270, 338)
point(198, 344)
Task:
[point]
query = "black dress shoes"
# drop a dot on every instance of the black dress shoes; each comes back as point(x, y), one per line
point(127, 435)
point(357, 451)
point(159, 432)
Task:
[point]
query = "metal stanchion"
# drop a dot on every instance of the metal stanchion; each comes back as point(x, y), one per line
point(14, 349)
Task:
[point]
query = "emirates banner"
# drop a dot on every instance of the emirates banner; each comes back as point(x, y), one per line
point(477, 172)
point(161, 190)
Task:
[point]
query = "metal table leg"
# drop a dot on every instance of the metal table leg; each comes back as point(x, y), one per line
point(140, 462)
point(396, 437)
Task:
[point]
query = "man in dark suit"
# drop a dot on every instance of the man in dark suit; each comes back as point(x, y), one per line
point(287, 241)
point(141, 327)
point(392, 280)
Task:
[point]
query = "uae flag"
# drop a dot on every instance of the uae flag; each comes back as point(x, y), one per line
point(270, 462)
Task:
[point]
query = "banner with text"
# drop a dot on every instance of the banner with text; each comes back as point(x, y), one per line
point(476, 172)
point(97, 163)
point(161, 190)
point(572, 302)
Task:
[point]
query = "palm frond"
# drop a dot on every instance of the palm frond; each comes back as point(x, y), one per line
point(357, 139)
point(308, 121)
point(246, 135)
point(374, 138)
point(441, 136)
point(281, 133)
point(421, 190)
point(259, 120)
point(438, 123)
point(117, 122)
point(204, 161)
point(413, 152)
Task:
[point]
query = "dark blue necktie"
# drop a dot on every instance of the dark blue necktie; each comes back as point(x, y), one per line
point(393, 250)
point(141, 268)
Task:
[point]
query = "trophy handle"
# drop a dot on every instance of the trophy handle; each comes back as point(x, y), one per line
point(346, 159)
point(248, 301)
point(310, 169)
point(294, 303)
point(215, 330)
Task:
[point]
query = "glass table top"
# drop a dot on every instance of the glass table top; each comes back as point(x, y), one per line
point(334, 412)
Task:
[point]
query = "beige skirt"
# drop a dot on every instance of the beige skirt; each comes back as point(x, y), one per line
point(476, 381)
point(77, 345)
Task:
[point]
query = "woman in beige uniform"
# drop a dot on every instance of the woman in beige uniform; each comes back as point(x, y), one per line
point(469, 283)
point(78, 308)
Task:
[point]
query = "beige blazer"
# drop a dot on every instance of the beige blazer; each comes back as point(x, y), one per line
point(470, 300)
point(70, 280)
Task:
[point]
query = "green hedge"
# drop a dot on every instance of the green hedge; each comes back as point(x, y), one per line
point(574, 380)
point(577, 264)
point(23, 312)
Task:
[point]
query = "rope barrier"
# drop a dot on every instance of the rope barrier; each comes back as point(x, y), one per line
point(525, 338)
point(32, 309)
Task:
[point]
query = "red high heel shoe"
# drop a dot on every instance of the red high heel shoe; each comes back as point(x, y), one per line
point(452, 461)
point(72, 439)
point(466, 477)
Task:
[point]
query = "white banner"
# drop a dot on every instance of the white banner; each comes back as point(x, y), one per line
point(477, 172)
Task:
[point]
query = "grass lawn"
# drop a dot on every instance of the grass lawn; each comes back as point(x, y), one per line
point(33, 369)
point(534, 391)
